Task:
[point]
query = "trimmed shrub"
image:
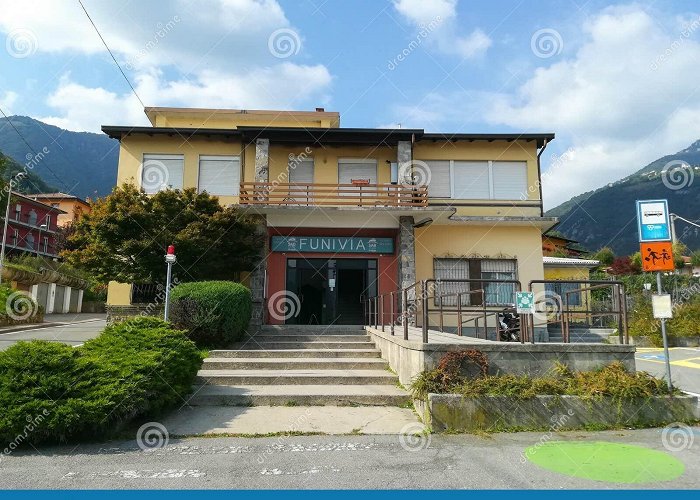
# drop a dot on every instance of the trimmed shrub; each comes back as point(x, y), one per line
point(214, 313)
point(53, 392)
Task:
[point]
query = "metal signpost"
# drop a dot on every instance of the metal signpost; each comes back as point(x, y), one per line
point(170, 259)
point(655, 246)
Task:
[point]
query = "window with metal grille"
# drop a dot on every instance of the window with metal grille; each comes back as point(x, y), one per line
point(456, 269)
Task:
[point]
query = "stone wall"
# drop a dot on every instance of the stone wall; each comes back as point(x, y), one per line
point(120, 313)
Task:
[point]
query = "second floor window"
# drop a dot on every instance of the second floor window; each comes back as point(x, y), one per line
point(46, 244)
point(477, 180)
point(357, 171)
point(161, 171)
point(220, 175)
point(15, 237)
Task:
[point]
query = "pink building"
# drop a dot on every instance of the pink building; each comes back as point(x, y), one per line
point(31, 227)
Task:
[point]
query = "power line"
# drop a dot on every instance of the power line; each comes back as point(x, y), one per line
point(110, 53)
point(7, 118)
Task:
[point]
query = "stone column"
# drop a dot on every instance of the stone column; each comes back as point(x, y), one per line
point(257, 283)
point(404, 156)
point(407, 259)
point(262, 163)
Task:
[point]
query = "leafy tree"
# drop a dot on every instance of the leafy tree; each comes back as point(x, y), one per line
point(679, 250)
point(126, 236)
point(622, 266)
point(605, 255)
point(636, 259)
point(695, 258)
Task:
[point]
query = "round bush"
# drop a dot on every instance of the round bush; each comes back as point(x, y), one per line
point(214, 313)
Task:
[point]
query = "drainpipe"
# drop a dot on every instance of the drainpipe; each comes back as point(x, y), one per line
point(539, 176)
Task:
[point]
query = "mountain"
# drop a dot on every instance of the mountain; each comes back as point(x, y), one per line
point(79, 163)
point(607, 217)
point(28, 182)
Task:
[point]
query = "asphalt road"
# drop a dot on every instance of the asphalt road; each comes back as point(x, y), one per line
point(382, 462)
point(81, 329)
point(685, 365)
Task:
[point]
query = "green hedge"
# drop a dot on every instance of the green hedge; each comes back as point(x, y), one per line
point(685, 321)
point(54, 392)
point(214, 313)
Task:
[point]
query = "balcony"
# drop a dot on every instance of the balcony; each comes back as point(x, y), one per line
point(334, 195)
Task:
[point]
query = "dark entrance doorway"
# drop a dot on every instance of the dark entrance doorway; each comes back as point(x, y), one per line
point(330, 291)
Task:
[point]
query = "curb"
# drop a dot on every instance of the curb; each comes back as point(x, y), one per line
point(43, 325)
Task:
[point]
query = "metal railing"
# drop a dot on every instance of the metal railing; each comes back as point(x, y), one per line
point(565, 310)
point(362, 195)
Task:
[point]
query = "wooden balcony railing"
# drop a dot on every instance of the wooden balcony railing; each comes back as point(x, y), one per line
point(360, 195)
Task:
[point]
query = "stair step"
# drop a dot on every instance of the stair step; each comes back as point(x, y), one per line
point(297, 353)
point(308, 338)
point(302, 395)
point(294, 364)
point(313, 329)
point(317, 344)
point(294, 377)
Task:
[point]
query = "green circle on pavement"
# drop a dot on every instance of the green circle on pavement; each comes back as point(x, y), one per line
point(603, 461)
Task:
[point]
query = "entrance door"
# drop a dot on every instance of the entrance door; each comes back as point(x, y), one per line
point(331, 291)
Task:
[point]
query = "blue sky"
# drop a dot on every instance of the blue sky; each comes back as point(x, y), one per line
point(617, 82)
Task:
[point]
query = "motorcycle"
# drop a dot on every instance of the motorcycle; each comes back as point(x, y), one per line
point(509, 330)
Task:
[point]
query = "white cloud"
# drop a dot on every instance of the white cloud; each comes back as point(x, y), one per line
point(176, 54)
point(443, 14)
point(7, 100)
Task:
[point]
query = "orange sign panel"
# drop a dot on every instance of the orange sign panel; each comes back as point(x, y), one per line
point(657, 256)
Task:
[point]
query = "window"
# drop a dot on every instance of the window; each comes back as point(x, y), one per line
point(560, 289)
point(161, 172)
point(46, 244)
point(32, 217)
point(487, 269)
point(301, 172)
point(477, 180)
point(498, 293)
point(29, 241)
point(18, 212)
point(220, 175)
point(47, 221)
point(15, 237)
point(439, 185)
point(354, 169)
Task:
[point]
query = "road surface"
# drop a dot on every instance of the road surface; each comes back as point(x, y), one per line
point(79, 328)
point(685, 366)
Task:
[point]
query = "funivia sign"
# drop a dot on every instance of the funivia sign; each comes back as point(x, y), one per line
point(334, 244)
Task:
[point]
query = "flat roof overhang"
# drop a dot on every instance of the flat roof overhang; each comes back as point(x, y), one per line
point(541, 138)
point(118, 132)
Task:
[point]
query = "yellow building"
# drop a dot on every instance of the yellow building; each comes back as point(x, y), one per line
point(351, 213)
point(73, 206)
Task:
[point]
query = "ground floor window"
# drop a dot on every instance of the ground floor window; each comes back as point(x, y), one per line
point(463, 268)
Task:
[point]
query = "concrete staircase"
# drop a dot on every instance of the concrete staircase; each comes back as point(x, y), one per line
point(299, 365)
point(582, 335)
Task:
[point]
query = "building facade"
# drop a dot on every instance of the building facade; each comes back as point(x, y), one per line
point(351, 213)
point(72, 206)
point(31, 227)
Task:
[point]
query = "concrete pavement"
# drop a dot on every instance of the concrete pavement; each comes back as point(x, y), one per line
point(685, 365)
point(437, 461)
point(72, 329)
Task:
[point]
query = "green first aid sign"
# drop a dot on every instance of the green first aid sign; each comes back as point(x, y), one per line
point(525, 302)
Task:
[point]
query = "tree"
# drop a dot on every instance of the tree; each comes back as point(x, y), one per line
point(695, 258)
point(605, 255)
point(679, 250)
point(623, 266)
point(126, 235)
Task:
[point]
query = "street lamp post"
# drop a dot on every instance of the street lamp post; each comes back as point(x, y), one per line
point(170, 259)
point(38, 243)
point(4, 232)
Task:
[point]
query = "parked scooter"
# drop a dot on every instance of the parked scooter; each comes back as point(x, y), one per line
point(509, 327)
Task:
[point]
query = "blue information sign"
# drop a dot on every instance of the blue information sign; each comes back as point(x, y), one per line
point(653, 220)
point(332, 244)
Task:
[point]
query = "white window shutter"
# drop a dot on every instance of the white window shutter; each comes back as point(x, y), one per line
point(161, 172)
point(219, 175)
point(509, 180)
point(352, 169)
point(301, 171)
point(439, 186)
point(471, 180)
